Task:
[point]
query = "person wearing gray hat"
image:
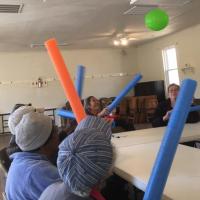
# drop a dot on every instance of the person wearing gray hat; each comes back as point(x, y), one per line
point(31, 170)
point(84, 161)
point(13, 147)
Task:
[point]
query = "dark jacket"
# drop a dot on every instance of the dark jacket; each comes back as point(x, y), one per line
point(162, 109)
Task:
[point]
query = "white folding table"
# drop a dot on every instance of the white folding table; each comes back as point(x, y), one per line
point(136, 153)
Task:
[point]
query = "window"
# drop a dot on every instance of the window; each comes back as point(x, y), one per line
point(170, 65)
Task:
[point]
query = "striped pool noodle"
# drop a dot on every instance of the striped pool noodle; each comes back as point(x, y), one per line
point(165, 156)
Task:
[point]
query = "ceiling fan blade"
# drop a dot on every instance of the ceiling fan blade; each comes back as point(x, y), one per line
point(35, 45)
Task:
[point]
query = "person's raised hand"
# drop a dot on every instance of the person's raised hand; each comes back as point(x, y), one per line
point(167, 115)
point(103, 113)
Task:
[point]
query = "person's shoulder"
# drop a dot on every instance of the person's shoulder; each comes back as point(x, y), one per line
point(43, 166)
point(58, 190)
point(57, 187)
point(55, 191)
point(43, 175)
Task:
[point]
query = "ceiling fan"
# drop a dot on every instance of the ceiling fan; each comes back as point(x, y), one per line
point(117, 37)
point(123, 38)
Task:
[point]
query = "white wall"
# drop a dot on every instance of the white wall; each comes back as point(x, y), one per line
point(149, 56)
point(146, 59)
point(22, 66)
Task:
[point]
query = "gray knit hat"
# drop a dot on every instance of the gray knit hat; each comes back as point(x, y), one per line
point(86, 156)
point(33, 131)
point(17, 115)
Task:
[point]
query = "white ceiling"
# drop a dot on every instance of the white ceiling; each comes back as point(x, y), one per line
point(87, 23)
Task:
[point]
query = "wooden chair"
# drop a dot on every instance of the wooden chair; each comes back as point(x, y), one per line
point(151, 103)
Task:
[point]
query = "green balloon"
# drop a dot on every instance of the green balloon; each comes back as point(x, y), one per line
point(156, 19)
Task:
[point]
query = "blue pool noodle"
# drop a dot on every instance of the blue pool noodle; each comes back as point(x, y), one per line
point(165, 156)
point(65, 113)
point(194, 108)
point(80, 79)
point(123, 93)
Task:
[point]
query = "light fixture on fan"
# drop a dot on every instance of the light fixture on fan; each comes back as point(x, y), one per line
point(116, 42)
point(124, 41)
point(133, 1)
point(121, 42)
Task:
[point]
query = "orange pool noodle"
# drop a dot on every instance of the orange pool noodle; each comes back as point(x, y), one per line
point(65, 79)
